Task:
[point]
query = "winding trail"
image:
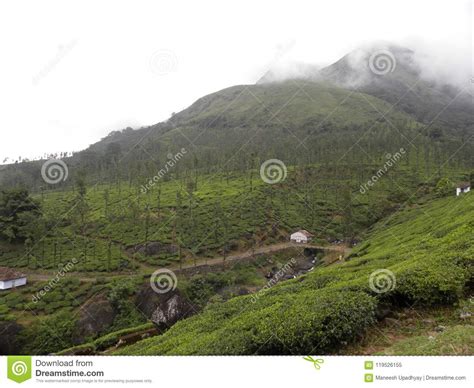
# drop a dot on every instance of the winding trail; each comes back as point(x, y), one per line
point(147, 269)
point(261, 250)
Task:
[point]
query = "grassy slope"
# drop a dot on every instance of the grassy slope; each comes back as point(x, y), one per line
point(276, 118)
point(428, 248)
point(295, 102)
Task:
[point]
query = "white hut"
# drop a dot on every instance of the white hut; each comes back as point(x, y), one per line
point(463, 188)
point(10, 278)
point(301, 236)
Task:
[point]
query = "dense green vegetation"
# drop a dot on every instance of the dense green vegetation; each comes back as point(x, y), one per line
point(316, 312)
point(18, 216)
point(68, 296)
point(109, 228)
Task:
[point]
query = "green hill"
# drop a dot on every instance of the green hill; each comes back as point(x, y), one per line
point(295, 121)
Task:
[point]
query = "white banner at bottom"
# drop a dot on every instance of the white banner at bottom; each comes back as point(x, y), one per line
point(230, 371)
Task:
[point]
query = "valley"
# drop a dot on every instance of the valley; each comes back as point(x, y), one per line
point(174, 238)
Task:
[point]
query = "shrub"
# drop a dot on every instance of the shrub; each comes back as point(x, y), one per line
point(49, 335)
point(431, 281)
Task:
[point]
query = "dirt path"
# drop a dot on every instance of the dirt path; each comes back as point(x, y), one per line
point(42, 277)
point(265, 249)
point(147, 269)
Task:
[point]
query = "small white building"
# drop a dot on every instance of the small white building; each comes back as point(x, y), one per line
point(10, 278)
point(463, 188)
point(301, 236)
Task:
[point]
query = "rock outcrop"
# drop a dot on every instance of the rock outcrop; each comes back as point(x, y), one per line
point(164, 310)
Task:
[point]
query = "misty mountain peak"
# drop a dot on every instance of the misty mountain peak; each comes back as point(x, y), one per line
point(362, 66)
point(370, 63)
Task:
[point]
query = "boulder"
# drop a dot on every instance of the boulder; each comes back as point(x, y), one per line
point(164, 310)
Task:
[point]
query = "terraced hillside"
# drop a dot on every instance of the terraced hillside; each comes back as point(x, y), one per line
point(119, 228)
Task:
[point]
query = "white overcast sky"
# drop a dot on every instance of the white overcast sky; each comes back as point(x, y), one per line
point(72, 71)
